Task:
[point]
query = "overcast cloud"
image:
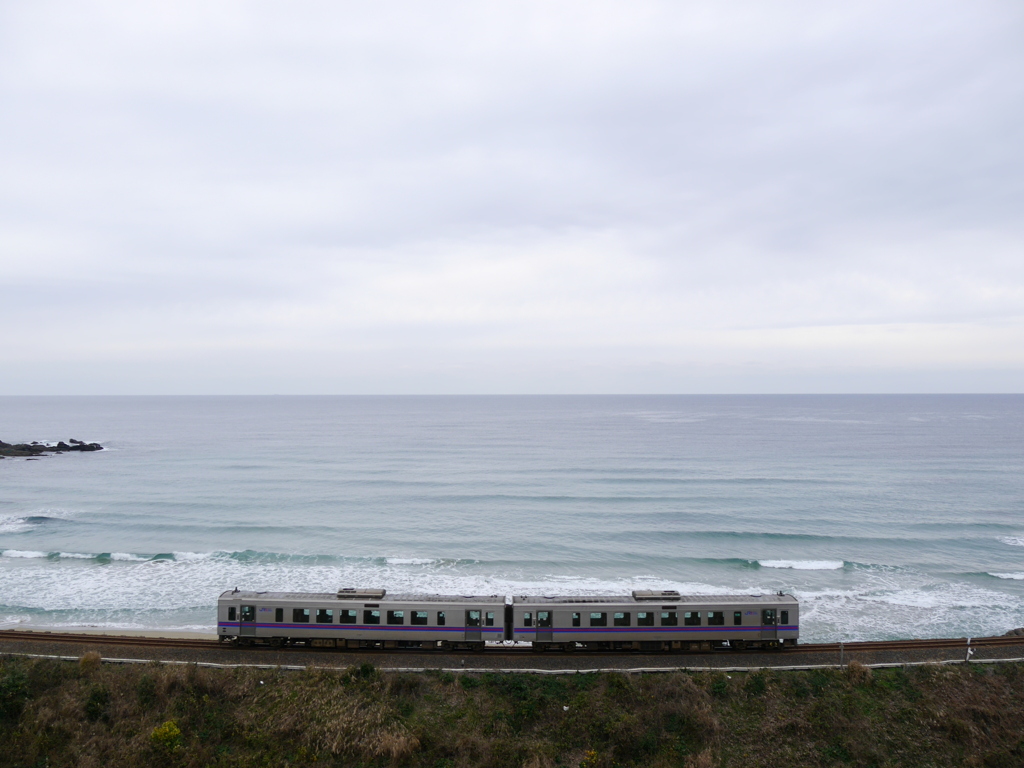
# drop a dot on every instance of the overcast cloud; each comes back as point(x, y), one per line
point(249, 197)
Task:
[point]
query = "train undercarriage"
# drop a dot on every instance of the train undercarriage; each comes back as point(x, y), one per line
point(476, 646)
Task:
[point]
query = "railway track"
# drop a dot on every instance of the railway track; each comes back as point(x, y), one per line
point(197, 644)
point(91, 639)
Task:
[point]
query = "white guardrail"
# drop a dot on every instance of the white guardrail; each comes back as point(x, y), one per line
point(481, 670)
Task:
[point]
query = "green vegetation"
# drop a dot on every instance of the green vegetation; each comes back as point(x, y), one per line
point(62, 714)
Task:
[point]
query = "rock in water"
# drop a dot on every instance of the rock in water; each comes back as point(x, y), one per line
point(32, 450)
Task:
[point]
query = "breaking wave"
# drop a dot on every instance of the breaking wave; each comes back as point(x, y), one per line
point(803, 565)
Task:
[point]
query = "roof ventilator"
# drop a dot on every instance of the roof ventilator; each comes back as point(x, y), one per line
point(351, 593)
point(654, 594)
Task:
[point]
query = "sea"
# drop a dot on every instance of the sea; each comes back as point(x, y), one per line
point(887, 516)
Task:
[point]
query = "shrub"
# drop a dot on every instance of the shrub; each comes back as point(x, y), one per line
point(757, 684)
point(166, 737)
point(13, 694)
point(858, 674)
point(96, 703)
point(145, 689)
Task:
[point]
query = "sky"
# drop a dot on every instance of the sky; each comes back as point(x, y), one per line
point(511, 197)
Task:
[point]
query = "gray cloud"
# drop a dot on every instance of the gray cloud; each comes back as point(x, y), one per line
point(499, 197)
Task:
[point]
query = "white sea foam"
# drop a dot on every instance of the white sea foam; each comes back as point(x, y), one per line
point(878, 604)
point(32, 520)
point(182, 557)
point(22, 553)
point(671, 417)
point(1017, 576)
point(410, 560)
point(14, 525)
point(75, 556)
point(127, 556)
point(803, 565)
point(1013, 541)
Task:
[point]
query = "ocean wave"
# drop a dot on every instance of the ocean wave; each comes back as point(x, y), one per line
point(803, 565)
point(183, 557)
point(127, 556)
point(1016, 576)
point(248, 557)
point(13, 524)
point(1013, 541)
point(24, 523)
point(670, 417)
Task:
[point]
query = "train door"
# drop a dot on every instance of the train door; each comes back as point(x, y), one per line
point(769, 624)
point(247, 624)
point(472, 625)
point(544, 631)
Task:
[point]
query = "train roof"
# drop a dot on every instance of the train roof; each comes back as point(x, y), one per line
point(362, 597)
point(656, 599)
point(639, 598)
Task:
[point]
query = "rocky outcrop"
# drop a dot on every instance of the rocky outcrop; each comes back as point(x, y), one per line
point(36, 449)
point(1019, 632)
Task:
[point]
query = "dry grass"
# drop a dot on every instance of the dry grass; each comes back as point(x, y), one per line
point(55, 714)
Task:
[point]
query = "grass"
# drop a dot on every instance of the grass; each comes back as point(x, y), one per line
point(87, 714)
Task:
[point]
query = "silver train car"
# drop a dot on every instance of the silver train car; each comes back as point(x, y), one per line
point(657, 620)
point(644, 621)
point(360, 619)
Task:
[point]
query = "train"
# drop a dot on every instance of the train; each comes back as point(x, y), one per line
point(645, 620)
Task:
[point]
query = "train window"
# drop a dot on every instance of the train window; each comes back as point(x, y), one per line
point(472, 618)
point(669, 619)
point(248, 613)
point(621, 619)
point(599, 619)
point(396, 617)
point(737, 618)
point(489, 619)
point(544, 619)
point(279, 614)
point(232, 613)
point(347, 616)
point(691, 618)
point(371, 617)
point(440, 618)
point(575, 619)
point(300, 615)
point(419, 618)
point(645, 619)
point(528, 619)
point(324, 616)
point(783, 617)
point(716, 618)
